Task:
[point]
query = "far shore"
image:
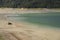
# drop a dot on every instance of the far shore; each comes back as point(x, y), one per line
point(25, 10)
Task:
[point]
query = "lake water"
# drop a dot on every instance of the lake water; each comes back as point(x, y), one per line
point(51, 19)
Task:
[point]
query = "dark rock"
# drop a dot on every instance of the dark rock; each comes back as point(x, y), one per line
point(9, 23)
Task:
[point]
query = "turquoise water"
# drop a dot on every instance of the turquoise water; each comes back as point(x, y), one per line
point(51, 19)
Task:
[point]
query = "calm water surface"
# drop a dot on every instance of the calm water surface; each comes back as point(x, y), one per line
point(51, 19)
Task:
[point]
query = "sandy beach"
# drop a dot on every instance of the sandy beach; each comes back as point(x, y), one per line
point(24, 31)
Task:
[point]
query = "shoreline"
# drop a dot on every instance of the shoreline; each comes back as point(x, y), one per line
point(25, 31)
point(32, 25)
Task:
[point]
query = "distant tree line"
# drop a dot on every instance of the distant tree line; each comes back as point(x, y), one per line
point(30, 3)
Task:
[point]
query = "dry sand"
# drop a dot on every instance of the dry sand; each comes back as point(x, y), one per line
point(22, 31)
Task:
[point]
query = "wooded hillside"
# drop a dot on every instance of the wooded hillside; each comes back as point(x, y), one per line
point(30, 3)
